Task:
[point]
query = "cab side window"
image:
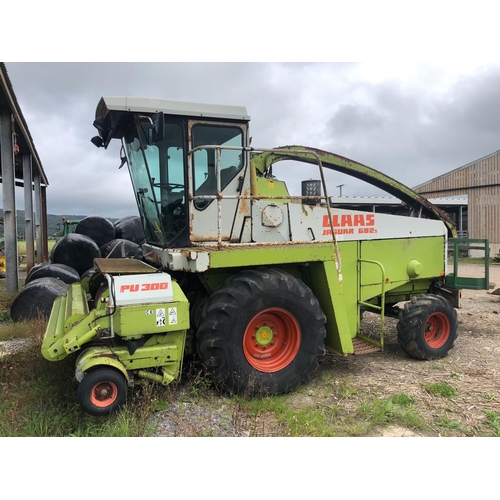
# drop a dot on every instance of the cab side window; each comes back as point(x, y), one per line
point(205, 160)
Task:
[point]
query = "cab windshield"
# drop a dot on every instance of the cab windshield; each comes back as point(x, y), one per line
point(158, 178)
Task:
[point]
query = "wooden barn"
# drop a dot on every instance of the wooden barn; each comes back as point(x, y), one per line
point(480, 181)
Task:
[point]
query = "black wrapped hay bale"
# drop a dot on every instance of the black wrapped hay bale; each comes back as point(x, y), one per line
point(36, 299)
point(130, 228)
point(36, 268)
point(117, 247)
point(97, 228)
point(121, 219)
point(77, 251)
point(63, 272)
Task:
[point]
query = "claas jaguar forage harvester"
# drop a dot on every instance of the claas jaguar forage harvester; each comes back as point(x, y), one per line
point(252, 281)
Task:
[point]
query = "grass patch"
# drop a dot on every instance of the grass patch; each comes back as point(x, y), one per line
point(274, 415)
point(20, 330)
point(21, 246)
point(493, 421)
point(394, 410)
point(450, 424)
point(441, 389)
point(6, 300)
point(337, 420)
point(38, 398)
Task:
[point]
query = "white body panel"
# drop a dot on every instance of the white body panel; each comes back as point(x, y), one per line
point(309, 223)
point(141, 288)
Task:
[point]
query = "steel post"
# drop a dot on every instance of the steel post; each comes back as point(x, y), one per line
point(9, 201)
point(38, 217)
point(28, 211)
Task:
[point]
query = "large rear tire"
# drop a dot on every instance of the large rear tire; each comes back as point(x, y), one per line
point(427, 327)
point(102, 391)
point(262, 332)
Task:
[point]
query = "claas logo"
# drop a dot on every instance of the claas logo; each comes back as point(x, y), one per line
point(350, 224)
point(145, 287)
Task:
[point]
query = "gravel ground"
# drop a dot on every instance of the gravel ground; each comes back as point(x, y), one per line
point(11, 346)
point(193, 420)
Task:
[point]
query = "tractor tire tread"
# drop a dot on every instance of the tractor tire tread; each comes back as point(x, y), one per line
point(220, 348)
point(412, 319)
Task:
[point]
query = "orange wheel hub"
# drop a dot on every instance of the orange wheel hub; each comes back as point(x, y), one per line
point(437, 330)
point(104, 394)
point(271, 340)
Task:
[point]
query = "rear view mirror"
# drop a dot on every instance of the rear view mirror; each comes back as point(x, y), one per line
point(158, 126)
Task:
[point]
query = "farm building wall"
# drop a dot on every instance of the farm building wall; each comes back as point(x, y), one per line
point(480, 180)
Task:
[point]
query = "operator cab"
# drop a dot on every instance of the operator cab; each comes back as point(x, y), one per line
point(172, 150)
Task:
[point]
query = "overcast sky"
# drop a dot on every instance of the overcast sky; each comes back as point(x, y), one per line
point(412, 121)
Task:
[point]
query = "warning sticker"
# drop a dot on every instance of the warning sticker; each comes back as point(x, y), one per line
point(172, 315)
point(160, 317)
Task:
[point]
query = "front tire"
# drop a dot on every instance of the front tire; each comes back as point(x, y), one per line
point(427, 327)
point(262, 332)
point(102, 391)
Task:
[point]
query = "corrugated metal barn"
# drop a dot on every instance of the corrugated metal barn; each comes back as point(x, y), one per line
point(480, 180)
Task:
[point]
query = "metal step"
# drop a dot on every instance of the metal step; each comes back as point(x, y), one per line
point(363, 347)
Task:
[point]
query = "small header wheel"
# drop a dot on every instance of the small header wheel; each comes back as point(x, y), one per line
point(102, 391)
point(427, 327)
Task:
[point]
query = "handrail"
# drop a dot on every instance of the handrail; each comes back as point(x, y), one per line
point(380, 308)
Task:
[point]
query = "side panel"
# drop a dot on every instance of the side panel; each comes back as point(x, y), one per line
point(329, 292)
point(270, 222)
point(311, 223)
point(204, 223)
point(408, 260)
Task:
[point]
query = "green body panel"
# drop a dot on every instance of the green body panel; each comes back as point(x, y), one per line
point(272, 187)
point(397, 270)
point(165, 351)
point(68, 331)
point(328, 290)
point(349, 251)
point(99, 356)
point(63, 335)
point(265, 255)
point(134, 321)
point(76, 307)
point(399, 260)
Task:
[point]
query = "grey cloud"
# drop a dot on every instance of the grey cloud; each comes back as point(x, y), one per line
point(411, 130)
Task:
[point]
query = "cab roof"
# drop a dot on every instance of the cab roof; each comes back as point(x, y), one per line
point(149, 105)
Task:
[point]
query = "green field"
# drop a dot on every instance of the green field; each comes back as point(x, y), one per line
point(21, 246)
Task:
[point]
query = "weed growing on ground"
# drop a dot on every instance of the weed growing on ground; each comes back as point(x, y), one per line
point(395, 410)
point(441, 389)
point(493, 421)
point(38, 399)
point(19, 330)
